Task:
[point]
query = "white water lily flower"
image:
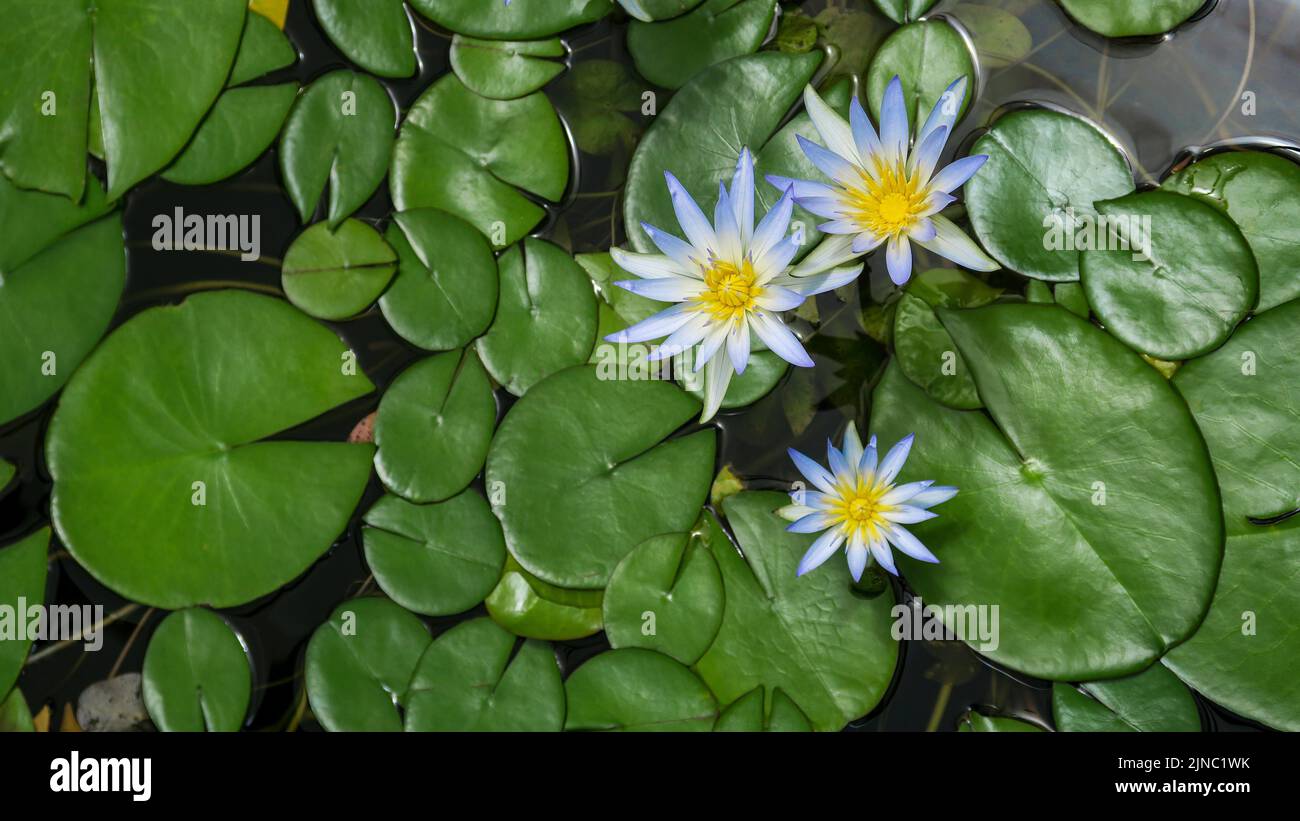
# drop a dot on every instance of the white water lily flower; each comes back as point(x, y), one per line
point(859, 506)
point(881, 191)
point(729, 281)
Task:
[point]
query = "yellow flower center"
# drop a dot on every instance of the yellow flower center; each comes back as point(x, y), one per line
point(888, 206)
point(730, 290)
point(858, 508)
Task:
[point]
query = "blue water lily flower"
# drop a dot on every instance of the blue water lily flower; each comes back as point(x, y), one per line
point(859, 506)
point(882, 191)
point(730, 281)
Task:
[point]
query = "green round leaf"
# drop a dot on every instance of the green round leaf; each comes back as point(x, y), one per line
point(674, 579)
point(976, 722)
point(999, 36)
point(337, 273)
point(340, 132)
point(15, 716)
point(445, 293)
point(748, 715)
point(518, 21)
point(1045, 170)
point(238, 129)
point(812, 637)
point(434, 559)
point(1154, 700)
point(360, 663)
point(764, 372)
point(472, 680)
point(1071, 297)
point(263, 48)
point(926, 57)
point(506, 70)
point(158, 67)
point(671, 52)
point(196, 674)
point(374, 35)
point(1124, 18)
point(904, 11)
point(529, 607)
point(699, 134)
point(22, 586)
point(1246, 398)
point(1180, 289)
point(62, 270)
point(162, 489)
point(434, 425)
point(1261, 192)
point(638, 690)
point(1082, 512)
point(928, 356)
point(589, 475)
point(600, 100)
point(545, 320)
point(244, 121)
point(487, 152)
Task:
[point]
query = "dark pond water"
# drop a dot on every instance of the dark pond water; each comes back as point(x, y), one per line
point(1163, 99)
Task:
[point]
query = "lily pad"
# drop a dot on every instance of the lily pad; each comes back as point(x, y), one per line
point(589, 474)
point(1178, 292)
point(1261, 192)
point(162, 489)
point(1246, 397)
point(337, 273)
point(666, 595)
point(434, 559)
point(434, 425)
point(638, 690)
point(545, 319)
point(196, 674)
point(829, 650)
point(1045, 170)
point(1124, 18)
point(699, 134)
point(667, 9)
point(926, 353)
point(506, 70)
point(22, 582)
point(152, 98)
point(1071, 297)
point(62, 270)
point(375, 35)
point(999, 36)
point(904, 11)
point(496, 151)
point(445, 293)
point(926, 57)
point(472, 680)
point(340, 132)
point(15, 716)
point(245, 119)
point(669, 53)
point(977, 722)
point(747, 715)
point(1061, 520)
point(360, 664)
point(519, 21)
point(1154, 700)
point(529, 607)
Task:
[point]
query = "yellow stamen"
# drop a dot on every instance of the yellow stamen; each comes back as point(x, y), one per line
point(887, 206)
point(731, 290)
point(859, 508)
